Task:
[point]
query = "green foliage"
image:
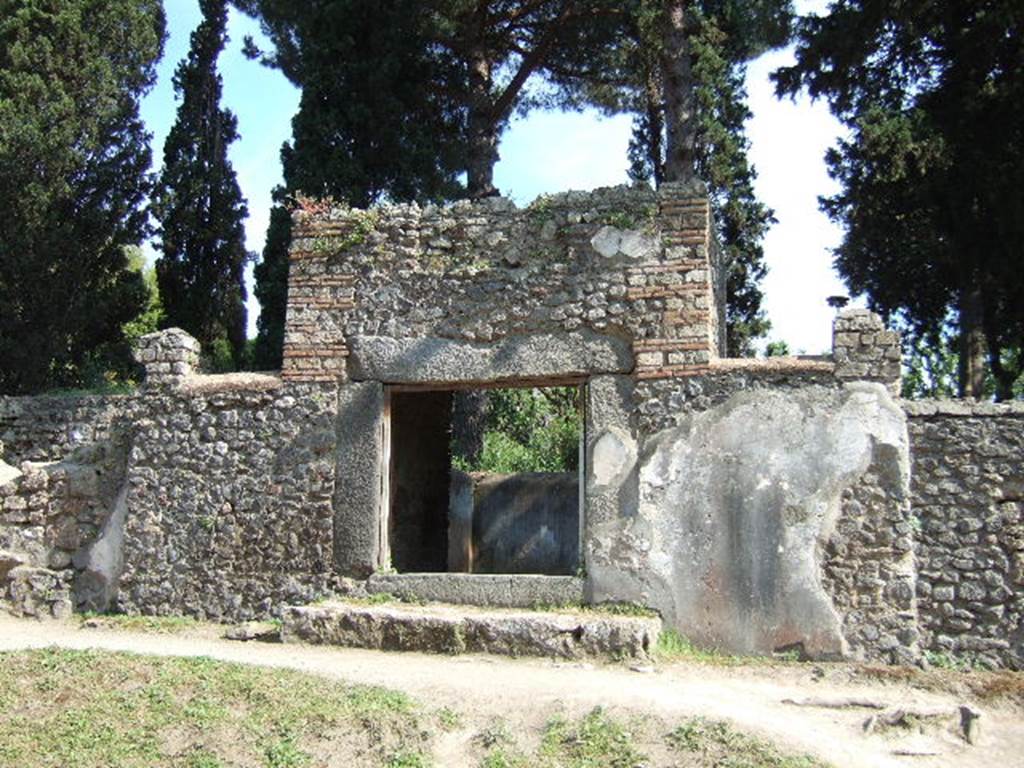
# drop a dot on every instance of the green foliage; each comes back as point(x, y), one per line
point(130, 623)
point(958, 663)
point(149, 319)
point(110, 368)
point(528, 430)
point(271, 275)
point(503, 757)
point(200, 208)
point(408, 759)
point(449, 718)
point(672, 646)
point(73, 161)
point(200, 758)
point(930, 365)
point(933, 164)
point(367, 129)
point(776, 349)
point(283, 753)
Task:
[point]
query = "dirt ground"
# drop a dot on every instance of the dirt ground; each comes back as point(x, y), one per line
point(525, 693)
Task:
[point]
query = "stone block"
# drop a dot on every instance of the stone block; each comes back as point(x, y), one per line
point(408, 360)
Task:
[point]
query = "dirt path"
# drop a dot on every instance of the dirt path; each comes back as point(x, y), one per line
point(526, 692)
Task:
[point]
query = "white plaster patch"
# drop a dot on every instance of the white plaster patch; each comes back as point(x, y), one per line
point(612, 458)
point(8, 473)
point(637, 245)
point(606, 241)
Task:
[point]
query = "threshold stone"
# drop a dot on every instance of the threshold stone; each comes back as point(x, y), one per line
point(451, 629)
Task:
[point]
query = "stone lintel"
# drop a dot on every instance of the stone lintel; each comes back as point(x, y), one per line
point(514, 358)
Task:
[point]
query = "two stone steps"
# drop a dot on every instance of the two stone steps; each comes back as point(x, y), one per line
point(453, 629)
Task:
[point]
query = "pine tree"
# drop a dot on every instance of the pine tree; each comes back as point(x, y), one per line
point(447, 75)
point(73, 161)
point(369, 125)
point(199, 206)
point(932, 169)
point(437, 79)
point(679, 67)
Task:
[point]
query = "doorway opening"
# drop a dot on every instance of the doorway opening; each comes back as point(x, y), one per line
point(483, 480)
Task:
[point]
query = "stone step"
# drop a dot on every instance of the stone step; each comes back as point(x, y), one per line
point(484, 590)
point(443, 628)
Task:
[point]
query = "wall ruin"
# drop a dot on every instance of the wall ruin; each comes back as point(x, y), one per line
point(757, 505)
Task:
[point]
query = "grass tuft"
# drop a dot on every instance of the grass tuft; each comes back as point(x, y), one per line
point(596, 741)
point(672, 646)
point(714, 743)
point(133, 623)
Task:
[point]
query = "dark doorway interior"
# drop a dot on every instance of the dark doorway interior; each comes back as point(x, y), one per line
point(485, 480)
point(420, 475)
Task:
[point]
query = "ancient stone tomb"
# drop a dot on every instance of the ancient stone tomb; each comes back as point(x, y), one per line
point(756, 505)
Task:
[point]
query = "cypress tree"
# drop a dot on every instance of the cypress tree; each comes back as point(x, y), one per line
point(74, 157)
point(199, 206)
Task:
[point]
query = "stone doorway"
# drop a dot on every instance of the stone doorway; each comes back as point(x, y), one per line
point(483, 480)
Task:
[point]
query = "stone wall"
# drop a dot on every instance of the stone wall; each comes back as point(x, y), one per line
point(50, 427)
point(229, 508)
point(864, 350)
point(968, 498)
point(52, 512)
point(624, 264)
point(212, 497)
point(756, 507)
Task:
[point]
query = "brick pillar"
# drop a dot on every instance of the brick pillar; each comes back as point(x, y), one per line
point(679, 288)
point(319, 296)
point(864, 350)
point(169, 357)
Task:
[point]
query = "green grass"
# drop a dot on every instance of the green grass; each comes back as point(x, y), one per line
point(713, 743)
point(503, 757)
point(449, 719)
point(93, 709)
point(599, 609)
point(595, 741)
point(159, 624)
point(964, 662)
point(672, 646)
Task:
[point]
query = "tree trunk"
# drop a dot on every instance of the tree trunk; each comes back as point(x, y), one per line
point(972, 343)
point(655, 125)
point(1004, 373)
point(1005, 377)
point(680, 97)
point(482, 152)
point(469, 420)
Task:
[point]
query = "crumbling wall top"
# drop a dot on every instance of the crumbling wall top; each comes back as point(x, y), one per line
point(626, 263)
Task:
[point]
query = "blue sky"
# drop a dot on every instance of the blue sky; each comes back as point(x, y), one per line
point(552, 152)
